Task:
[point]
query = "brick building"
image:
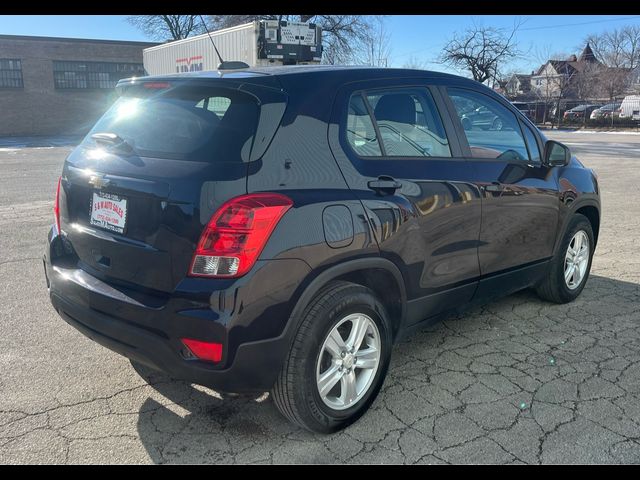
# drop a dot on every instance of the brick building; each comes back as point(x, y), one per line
point(51, 86)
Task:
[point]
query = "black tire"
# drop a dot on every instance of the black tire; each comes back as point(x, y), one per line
point(295, 392)
point(554, 288)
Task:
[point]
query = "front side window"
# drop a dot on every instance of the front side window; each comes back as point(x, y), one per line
point(92, 75)
point(491, 129)
point(10, 73)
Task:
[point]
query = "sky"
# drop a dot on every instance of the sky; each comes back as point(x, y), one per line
point(418, 36)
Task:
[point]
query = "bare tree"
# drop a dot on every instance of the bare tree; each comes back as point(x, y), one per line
point(343, 36)
point(415, 63)
point(167, 27)
point(619, 48)
point(631, 34)
point(618, 51)
point(614, 82)
point(481, 50)
point(587, 82)
point(375, 49)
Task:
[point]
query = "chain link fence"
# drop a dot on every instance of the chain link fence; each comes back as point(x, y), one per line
point(623, 113)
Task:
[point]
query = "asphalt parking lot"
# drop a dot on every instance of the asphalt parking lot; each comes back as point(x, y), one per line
point(517, 381)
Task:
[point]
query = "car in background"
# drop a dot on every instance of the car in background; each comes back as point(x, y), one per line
point(579, 112)
point(525, 108)
point(564, 106)
point(481, 118)
point(630, 107)
point(606, 111)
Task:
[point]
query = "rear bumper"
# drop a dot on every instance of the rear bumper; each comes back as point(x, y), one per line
point(254, 368)
point(151, 334)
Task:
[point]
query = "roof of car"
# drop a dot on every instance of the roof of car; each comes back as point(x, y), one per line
point(331, 76)
point(305, 69)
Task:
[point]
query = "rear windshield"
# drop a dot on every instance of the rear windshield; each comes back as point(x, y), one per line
point(183, 122)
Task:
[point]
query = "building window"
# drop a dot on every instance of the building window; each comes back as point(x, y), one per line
point(10, 73)
point(93, 75)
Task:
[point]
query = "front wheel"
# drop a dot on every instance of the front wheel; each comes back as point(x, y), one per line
point(572, 263)
point(338, 360)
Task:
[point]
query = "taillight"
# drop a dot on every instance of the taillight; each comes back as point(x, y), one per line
point(56, 205)
point(211, 352)
point(236, 234)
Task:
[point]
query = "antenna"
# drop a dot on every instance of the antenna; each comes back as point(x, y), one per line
point(210, 38)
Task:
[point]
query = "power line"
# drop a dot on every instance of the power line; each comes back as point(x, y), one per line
point(579, 23)
point(543, 28)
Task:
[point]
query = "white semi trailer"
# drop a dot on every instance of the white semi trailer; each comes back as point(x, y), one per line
point(259, 43)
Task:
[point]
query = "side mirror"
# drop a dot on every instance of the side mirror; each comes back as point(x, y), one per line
point(556, 154)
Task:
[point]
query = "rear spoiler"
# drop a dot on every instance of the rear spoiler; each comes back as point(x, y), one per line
point(264, 81)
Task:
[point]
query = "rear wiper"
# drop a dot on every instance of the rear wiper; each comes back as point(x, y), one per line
point(112, 141)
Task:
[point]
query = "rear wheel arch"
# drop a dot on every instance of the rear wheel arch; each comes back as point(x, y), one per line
point(378, 274)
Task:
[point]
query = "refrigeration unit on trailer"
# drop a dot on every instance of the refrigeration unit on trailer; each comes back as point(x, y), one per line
point(258, 43)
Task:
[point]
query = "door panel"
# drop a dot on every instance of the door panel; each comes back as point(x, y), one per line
point(519, 195)
point(519, 220)
point(429, 226)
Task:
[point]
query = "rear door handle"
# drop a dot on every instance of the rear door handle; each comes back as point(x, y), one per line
point(384, 185)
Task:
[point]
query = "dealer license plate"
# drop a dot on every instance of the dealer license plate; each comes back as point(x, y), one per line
point(108, 211)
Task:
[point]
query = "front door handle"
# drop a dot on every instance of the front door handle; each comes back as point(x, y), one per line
point(384, 185)
point(494, 187)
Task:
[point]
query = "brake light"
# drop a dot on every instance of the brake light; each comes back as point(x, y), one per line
point(211, 352)
point(56, 205)
point(156, 85)
point(236, 234)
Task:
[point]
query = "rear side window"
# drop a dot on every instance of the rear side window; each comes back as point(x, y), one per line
point(492, 130)
point(406, 120)
point(217, 105)
point(184, 122)
point(361, 133)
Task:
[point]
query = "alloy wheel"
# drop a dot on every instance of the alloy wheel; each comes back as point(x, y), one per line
point(576, 260)
point(348, 361)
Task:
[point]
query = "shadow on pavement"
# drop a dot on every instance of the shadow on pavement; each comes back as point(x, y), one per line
point(500, 355)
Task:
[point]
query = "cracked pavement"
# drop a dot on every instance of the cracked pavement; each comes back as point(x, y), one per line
point(516, 381)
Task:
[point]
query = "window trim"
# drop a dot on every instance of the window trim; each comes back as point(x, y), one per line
point(395, 87)
point(367, 105)
point(536, 138)
point(21, 86)
point(462, 137)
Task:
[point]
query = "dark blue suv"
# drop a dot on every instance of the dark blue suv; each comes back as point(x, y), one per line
point(279, 229)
